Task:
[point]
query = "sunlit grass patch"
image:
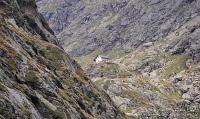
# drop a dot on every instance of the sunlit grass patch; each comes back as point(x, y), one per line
point(177, 65)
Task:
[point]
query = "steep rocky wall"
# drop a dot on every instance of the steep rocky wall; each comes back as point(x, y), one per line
point(85, 26)
point(37, 78)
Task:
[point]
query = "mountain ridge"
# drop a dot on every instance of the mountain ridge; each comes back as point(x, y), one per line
point(85, 27)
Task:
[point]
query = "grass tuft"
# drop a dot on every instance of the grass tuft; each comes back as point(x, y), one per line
point(177, 65)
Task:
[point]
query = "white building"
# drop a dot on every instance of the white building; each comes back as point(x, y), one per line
point(101, 58)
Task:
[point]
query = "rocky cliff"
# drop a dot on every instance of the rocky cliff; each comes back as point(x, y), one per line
point(154, 45)
point(87, 25)
point(37, 78)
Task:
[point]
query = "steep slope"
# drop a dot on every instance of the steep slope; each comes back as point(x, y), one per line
point(87, 25)
point(37, 78)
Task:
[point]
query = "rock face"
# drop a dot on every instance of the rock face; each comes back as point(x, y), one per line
point(37, 78)
point(157, 75)
point(87, 25)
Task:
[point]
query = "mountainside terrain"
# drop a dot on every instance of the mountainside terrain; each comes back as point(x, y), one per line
point(38, 80)
point(154, 46)
point(150, 82)
point(85, 26)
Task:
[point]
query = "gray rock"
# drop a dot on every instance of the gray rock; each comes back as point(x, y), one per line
point(197, 99)
point(184, 88)
point(147, 44)
point(186, 96)
point(2, 53)
point(102, 23)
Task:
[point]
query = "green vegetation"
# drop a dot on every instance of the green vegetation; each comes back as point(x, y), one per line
point(81, 74)
point(196, 113)
point(175, 95)
point(68, 82)
point(111, 67)
point(65, 96)
point(127, 110)
point(88, 59)
point(172, 97)
point(124, 74)
point(21, 86)
point(32, 78)
point(85, 98)
point(169, 57)
point(137, 96)
point(89, 100)
point(32, 75)
point(52, 53)
point(26, 112)
point(99, 82)
point(155, 89)
point(177, 65)
point(12, 64)
point(58, 115)
point(116, 53)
